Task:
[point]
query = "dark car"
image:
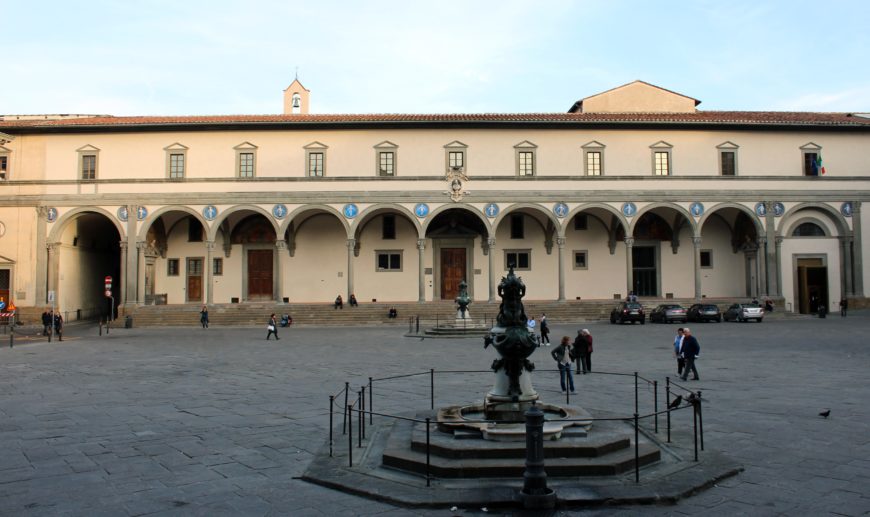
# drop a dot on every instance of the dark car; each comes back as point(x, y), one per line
point(704, 312)
point(744, 312)
point(667, 313)
point(627, 311)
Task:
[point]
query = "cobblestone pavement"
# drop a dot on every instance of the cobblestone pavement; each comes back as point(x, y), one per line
point(221, 422)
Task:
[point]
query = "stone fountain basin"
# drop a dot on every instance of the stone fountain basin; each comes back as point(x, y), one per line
point(468, 422)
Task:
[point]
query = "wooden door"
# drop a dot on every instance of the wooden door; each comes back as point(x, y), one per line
point(259, 274)
point(452, 271)
point(194, 279)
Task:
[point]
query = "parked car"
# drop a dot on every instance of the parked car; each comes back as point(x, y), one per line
point(668, 312)
point(704, 312)
point(744, 312)
point(628, 311)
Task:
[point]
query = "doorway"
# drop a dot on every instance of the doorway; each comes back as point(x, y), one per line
point(812, 279)
point(260, 280)
point(644, 270)
point(194, 279)
point(453, 271)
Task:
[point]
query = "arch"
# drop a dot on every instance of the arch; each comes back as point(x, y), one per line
point(759, 228)
point(303, 210)
point(803, 220)
point(588, 206)
point(842, 226)
point(375, 210)
point(460, 206)
point(531, 206)
point(212, 232)
point(673, 206)
point(146, 224)
point(62, 221)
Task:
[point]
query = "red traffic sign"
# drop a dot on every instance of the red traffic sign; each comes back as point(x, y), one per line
point(108, 293)
point(108, 283)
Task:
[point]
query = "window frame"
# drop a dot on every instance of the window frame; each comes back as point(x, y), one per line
point(727, 147)
point(246, 148)
point(89, 151)
point(315, 148)
point(709, 253)
point(662, 147)
point(175, 150)
point(591, 148)
point(385, 227)
point(217, 266)
point(585, 253)
point(7, 159)
point(389, 254)
point(456, 147)
point(808, 149)
point(386, 147)
point(173, 267)
point(517, 226)
point(518, 252)
point(521, 148)
point(577, 225)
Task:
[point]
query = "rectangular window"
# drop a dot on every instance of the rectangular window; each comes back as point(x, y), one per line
point(4, 167)
point(315, 164)
point(517, 227)
point(194, 230)
point(526, 163)
point(246, 165)
point(386, 163)
point(728, 159)
point(176, 166)
point(172, 267)
point(194, 267)
point(707, 258)
point(662, 163)
point(217, 267)
point(580, 258)
point(581, 222)
point(89, 166)
point(810, 167)
point(520, 259)
point(389, 260)
point(593, 163)
point(456, 160)
point(388, 230)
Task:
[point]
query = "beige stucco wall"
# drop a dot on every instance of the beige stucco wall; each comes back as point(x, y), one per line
point(638, 97)
point(814, 247)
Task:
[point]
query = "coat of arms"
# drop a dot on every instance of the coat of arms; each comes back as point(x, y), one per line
point(456, 179)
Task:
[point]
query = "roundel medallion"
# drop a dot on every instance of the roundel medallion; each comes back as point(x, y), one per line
point(51, 214)
point(141, 213)
point(846, 209)
point(697, 209)
point(491, 210)
point(279, 211)
point(560, 209)
point(760, 210)
point(122, 213)
point(421, 210)
point(629, 209)
point(778, 209)
point(350, 210)
point(210, 212)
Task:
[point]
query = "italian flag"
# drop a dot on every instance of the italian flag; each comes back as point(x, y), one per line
point(819, 167)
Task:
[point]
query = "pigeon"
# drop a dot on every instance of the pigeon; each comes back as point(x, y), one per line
point(825, 413)
point(676, 402)
point(693, 399)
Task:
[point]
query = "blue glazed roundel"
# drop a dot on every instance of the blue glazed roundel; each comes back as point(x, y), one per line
point(350, 210)
point(421, 210)
point(491, 210)
point(697, 209)
point(209, 212)
point(629, 209)
point(141, 213)
point(846, 209)
point(52, 214)
point(122, 213)
point(760, 210)
point(778, 209)
point(560, 209)
point(279, 211)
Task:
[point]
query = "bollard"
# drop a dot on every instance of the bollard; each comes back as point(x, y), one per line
point(700, 419)
point(432, 388)
point(346, 413)
point(12, 331)
point(695, 428)
point(100, 324)
point(349, 438)
point(636, 451)
point(428, 473)
point(362, 407)
point(359, 422)
point(656, 404)
point(636, 403)
point(371, 416)
point(535, 494)
point(667, 403)
point(331, 401)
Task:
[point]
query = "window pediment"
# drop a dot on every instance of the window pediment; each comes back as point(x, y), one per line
point(525, 144)
point(727, 145)
point(245, 146)
point(5, 149)
point(315, 145)
point(661, 144)
point(456, 144)
point(594, 144)
point(87, 148)
point(386, 144)
point(811, 146)
point(176, 147)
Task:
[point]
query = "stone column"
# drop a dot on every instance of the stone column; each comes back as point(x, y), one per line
point(761, 263)
point(696, 243)
point(41, 256)
point(140, 271)
point(421, 274)
point(490, 243)
point(351, 244)
point(770, 256)
point(560, 242)
point(858, 263)
point(128, 290)
point(845, 265)
point(209, 272)
point(778, 256)
point(53, 270)
point(122, 282)
point(629, 267)
point(280, 248)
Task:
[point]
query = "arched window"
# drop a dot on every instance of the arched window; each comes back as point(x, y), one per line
point(808, 230)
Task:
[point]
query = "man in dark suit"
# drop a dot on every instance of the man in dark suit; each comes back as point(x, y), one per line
point(690, 350)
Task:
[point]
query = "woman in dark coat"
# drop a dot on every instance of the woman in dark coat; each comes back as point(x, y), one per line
point(273, 328)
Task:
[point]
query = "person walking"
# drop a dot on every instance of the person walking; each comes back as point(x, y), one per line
point(203, 317)
point(58, 325)
point(564, 356)
point(690, 350)
point(678, 344)
point(46, 323)
point(545, 330)
point(844, 305)
point(588, 350)
point(581, 345)
point(273, 328)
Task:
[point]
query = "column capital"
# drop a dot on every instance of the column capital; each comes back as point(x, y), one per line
point(42, 211)
point(279, 245)
point(421, 244)
point(351, 243)
point(141, 245)
point(490, 242)
point(856, 207)
point(123, 245)
point(761, 241)
point(52, 246)
point(560, 242)
point(779, 239)
point(844, 239)
point(696, 241)
point(629, 241)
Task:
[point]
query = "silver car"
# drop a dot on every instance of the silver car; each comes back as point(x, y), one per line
point(744, 312)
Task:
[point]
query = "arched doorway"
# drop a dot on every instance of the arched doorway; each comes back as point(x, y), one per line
point(454, 233)
point(174, 258)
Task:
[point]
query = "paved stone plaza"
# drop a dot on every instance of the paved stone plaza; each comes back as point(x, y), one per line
point(221, 422)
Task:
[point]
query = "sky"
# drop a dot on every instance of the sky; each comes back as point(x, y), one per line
point(191, 57)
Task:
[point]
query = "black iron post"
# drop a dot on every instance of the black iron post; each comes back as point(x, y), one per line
point(331, 401)
point(100, 324)
point(349, 439)
point(12, 330)
point(636, 451)
point(346, 412)
point(636, 404)
point(668, 403)
point(418, 325)
point(535, 493)
point(362, 408)
point(700, 418)
point(428, 472)
point(695, 427)
point(371, 407)
point(359, 420)
point(656, 404)
point(432, 388)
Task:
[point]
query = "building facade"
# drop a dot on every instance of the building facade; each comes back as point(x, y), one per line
point(633, 189)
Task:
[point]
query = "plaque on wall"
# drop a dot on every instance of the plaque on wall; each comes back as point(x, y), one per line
point(629, 209)
point(350, 210)
point(491, 210)
point(422, 209)
point(122, 213)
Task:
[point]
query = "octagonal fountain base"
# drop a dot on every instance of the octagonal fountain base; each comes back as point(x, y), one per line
point(468, 421)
